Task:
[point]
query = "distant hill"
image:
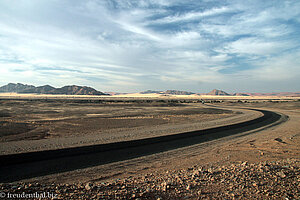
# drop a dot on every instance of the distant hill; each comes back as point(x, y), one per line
point(288, 94)
point(39, 90)
point(222, 93)
point(177, 92)
point(19, 87)
point(76, 90)
point(47, 89)
point(151, 92)
point(241, 94)
point(115, 93)
point(173, 92)
point(218, 93)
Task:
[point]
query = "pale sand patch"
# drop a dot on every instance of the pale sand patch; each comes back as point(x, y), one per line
point(142, 96)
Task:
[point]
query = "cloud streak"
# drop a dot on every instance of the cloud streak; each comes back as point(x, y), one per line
point(128, 46)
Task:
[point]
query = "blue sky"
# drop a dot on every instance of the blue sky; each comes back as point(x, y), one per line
point(130, 46)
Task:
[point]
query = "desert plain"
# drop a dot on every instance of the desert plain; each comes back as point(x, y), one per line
point(257, 164)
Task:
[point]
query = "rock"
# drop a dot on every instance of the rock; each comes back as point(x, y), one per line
point(281, 174)
point(196, 173)
point(88, 186)
point(210, 170)
point(188, 187)
point(14, 187)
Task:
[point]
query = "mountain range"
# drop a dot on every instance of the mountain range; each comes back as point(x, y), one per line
point(222, 93)
point(216, 92)
point(47, 89)
point(172, 92)
point(178, 92)
point(84, 90)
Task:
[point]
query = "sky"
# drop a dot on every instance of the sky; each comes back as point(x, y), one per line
point(136, 45)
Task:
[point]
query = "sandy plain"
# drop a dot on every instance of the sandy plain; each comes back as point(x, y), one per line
point(39, 124)
point(276, 143)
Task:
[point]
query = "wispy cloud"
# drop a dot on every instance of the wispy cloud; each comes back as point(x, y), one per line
point(193, 15)
point(159, 44)
point(256, 46)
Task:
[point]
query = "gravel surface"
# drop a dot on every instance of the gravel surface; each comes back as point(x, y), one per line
point(262, 180)
point(261, 165)
point(124, 134)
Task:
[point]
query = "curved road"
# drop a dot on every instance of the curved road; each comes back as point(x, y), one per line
point(16, 167)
